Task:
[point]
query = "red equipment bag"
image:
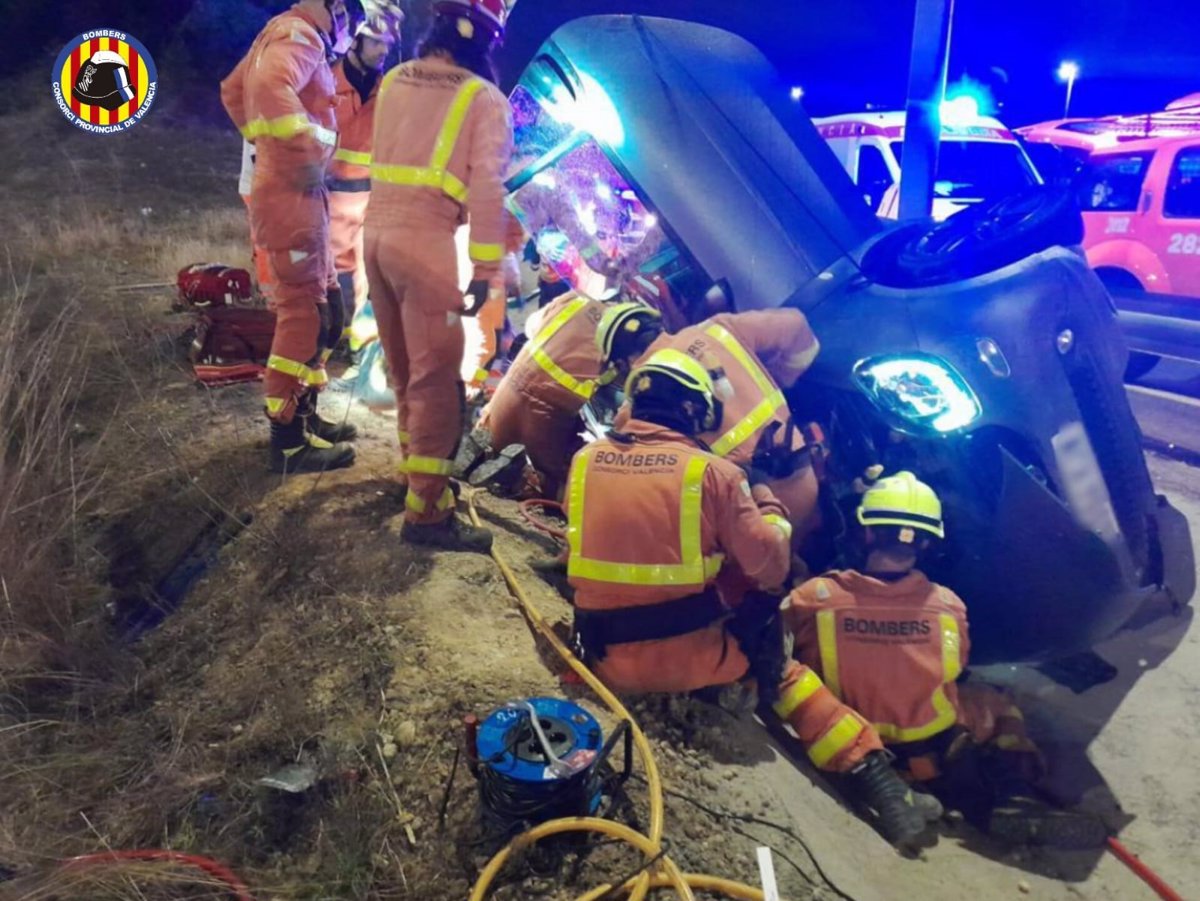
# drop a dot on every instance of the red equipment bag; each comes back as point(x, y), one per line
point(210, 285)
point(232, 344)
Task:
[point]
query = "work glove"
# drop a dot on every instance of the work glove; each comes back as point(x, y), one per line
point(777, 459)
point(757, 626)
point(477, 295)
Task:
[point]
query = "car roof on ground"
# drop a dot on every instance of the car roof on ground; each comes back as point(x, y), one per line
point(720, 149)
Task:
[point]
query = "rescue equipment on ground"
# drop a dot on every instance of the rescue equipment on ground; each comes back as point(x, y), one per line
point(207, 285)
point(232, 336)
point(541, 759)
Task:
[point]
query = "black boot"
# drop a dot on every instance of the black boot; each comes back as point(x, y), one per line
point(888, 803)
point(503, 470)
point(293, 450)
point(333, 432)
point(472, 450)
point(449, 535)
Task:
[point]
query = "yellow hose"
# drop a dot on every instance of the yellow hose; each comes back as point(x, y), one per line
point(668, 874)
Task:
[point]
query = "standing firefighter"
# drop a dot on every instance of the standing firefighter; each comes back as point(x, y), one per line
point(443, 138)
point(663, 538)
point(892, 645)
point(757, 354)
point(281, 97)
point(357, 78)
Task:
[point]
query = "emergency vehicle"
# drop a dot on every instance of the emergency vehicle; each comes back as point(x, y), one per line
point(1139, 190)
point(979, 159)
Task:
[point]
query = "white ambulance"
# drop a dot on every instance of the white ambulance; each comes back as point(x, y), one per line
point(979, 159)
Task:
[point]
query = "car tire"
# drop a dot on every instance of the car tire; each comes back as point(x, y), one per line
point(977, 240)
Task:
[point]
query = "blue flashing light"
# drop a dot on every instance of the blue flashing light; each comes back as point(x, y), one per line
point(797, 93)
point(919, 389)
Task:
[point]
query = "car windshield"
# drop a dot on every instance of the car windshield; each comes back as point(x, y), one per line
point(978, 170)
point(585, 218)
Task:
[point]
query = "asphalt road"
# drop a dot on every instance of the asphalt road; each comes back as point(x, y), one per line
point(1166, 403)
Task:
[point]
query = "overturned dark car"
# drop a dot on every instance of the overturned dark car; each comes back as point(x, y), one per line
point(981, 352)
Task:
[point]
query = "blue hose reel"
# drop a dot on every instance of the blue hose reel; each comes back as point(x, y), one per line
point(543, 758)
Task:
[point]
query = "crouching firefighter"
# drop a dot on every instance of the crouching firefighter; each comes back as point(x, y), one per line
point(892, 645)
point(757, 354)
point(281, 97)
point(663, 536)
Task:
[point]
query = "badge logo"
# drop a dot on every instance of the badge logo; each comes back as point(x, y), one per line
point(104, 81)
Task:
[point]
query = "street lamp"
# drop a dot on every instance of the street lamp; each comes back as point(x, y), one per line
point(1068, 72)
point(797, 93)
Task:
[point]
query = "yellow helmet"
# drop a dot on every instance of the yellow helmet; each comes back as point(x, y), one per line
point(671, 382)
point(902, 500)
point(622, 319)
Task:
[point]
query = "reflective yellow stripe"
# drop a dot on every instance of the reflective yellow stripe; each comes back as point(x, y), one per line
point(827, 642)
point(275, 405)
point(836, 740)
point(781, 524)
point(435, 175)
point(694, 568)
point(286, 127)
point(945, 715)
point(403, 436)
point(764, 411)
point(583, 389)
point(301, 371)
point(481, 376)
point(797, 694)
point(354, 157)
point(431, 466)
point(415, 503)
point(486, 253)
point(446, 501)
point(452, 125)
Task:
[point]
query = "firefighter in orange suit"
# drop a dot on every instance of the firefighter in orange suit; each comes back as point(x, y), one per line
point(892, 645)
point(443, 138)
point(357, 78)
point(281, 97)
point(660, 531)
point(538, 401)
point(758, 354)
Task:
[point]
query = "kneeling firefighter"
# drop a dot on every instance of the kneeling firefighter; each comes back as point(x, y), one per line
point(892, 644)
point(663, 537)
point(538, 401)
point(281, 97)
point(755, 355)
point(443, 137)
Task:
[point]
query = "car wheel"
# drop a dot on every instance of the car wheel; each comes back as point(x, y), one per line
point(977, 240)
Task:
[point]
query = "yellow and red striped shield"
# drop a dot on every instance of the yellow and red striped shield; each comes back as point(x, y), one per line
point(111, 69)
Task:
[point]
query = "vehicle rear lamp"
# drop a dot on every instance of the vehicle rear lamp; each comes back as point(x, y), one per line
point(919, 389)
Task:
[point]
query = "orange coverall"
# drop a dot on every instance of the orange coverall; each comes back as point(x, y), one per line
point(281, 97)
point(651, 521)
point(443, 138)
point(350, 188)
point(262, 268)
point(892, 651)
point(760, 352)
point(538, 401)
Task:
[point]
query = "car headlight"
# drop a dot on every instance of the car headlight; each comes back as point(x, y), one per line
point(921, 389)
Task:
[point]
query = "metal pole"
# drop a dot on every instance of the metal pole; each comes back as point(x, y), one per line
point(923, 120)
point(1070, 89)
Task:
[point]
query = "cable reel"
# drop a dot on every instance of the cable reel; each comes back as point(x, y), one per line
point(541, 759)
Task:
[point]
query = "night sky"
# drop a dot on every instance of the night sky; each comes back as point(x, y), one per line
point(1134, 55)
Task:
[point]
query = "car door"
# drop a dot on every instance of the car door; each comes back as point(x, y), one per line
point(1178, 226)
point(1109, 189)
